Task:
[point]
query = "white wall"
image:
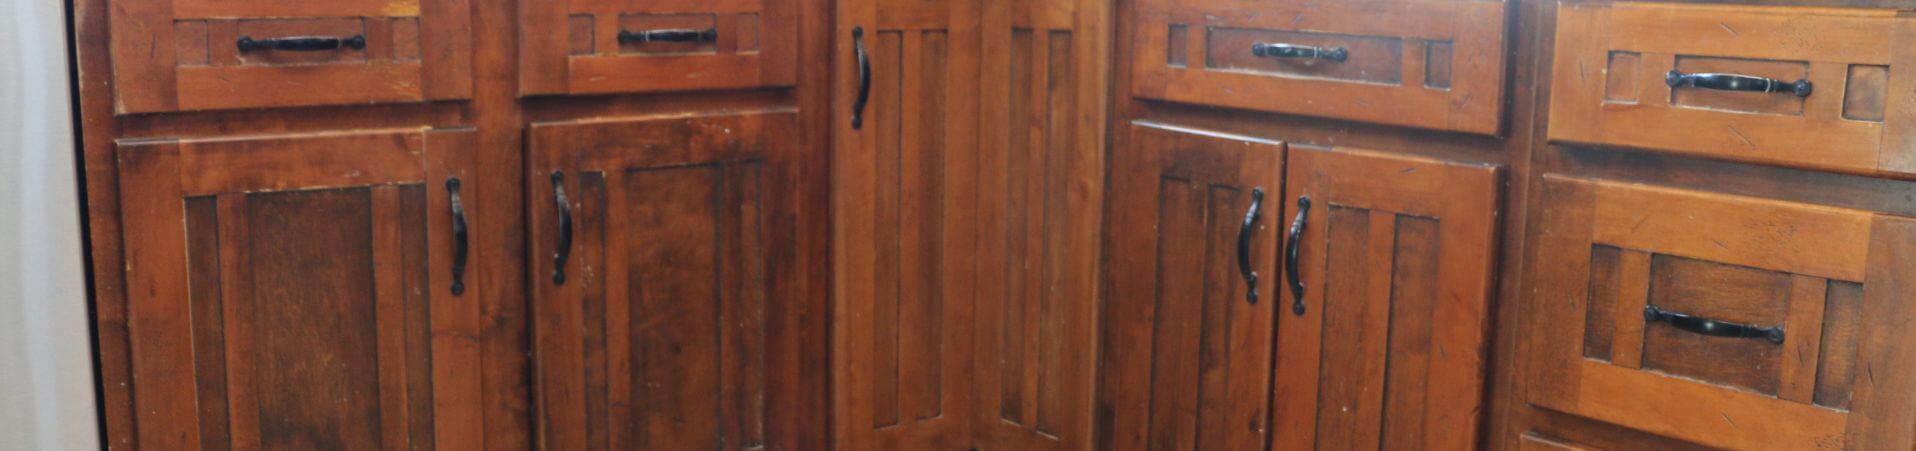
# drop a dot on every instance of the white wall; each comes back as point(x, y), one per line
point(46, 369)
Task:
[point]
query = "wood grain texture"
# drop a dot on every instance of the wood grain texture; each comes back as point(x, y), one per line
point(677, 287)
point(763, 55)
point(1746, 393)
point(1760, 41)
point(1187, 357)
point(301, 273)
point(1388, 85)
point(1377, 309)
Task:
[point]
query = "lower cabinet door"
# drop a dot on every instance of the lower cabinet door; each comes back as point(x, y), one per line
point(1726, 321)
point(1394, 258)
point(1191, 270)
point(665, 312)
point(302, 291)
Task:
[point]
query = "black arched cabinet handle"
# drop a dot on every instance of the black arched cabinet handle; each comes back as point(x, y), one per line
point(864, 78)
point(303, 43)
point(565, 228)
point(1270, 50)
point(1739, 83)
point(1244, 246)
point(1291, 247)
point(668, 35)
point(459, 238)
point(1705, 326)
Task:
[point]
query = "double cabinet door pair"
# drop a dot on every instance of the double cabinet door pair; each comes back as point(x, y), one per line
point(1265, 296)
point(286, 293)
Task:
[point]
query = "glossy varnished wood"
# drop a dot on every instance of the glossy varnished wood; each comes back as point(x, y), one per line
point(288, 300)
point(1397, 263)
point(1187, 356)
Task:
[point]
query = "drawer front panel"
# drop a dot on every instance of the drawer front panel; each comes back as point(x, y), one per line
point(1628, 75)
point(624, 46)
point(212, 55)
point(1721, 320)
point(1373, 61)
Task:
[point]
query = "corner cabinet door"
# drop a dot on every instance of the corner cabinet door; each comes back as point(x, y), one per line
point(185, 55)
point(624, 46)
point(1394, 256)
point(1190, 365)
point(303, 292)
point(665, 305)
point(1727, 321)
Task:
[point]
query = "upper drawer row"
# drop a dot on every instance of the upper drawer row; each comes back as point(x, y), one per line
point(1813, 88)
point(1431, 64)
point(184, 55)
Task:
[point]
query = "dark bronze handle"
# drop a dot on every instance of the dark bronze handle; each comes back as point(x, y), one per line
point(1290, 255)
point(1244, 246)
point(459, 242)
point(864, 78)
point(1734, 82)
point(1710, 327)
point(668, 35)
point(303, 43)
point(1333, 54)
point(565, 228)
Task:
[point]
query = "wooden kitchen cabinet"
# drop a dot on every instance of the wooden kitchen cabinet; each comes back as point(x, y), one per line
point(1722, 320)
point(666, 302)
point(1190, 280)
point(284, 293)
point(184, 55)
point(1814, 88)
point(613, 46)
point(1430, 64)
point(1388, 346)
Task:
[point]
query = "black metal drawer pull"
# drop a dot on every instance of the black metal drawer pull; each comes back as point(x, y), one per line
point(668, 35)
point(1740, 83)
point(303, 43)
point(1710, 327)
point(1290, 254)
point(1244, 246)
point(1333, 54)
point(565, 228)
point(459, 242)
point(864, 78)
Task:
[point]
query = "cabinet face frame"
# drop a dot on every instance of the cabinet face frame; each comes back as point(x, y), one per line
point(174, 391)
point(1392, 347)
point(733, 175)
point(1147, 388)
point(574, 46)
point(1612, 60)
point(1811, 246)
point(184, 55)
point(1410, 70)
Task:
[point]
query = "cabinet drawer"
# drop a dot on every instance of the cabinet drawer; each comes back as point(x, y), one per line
point(183, 55)
point(1382, 61)
point(623, 46)
point(1725, 321)
point(1691, 80)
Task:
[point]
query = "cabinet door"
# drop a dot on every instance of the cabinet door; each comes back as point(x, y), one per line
point(665, 305)
point(1040, 187)
point(1394, 258)
point(904, 238)
point(1727, 321)
point(617, 46)
point(181, 55)
point(1188, 365)
point(302, 292)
